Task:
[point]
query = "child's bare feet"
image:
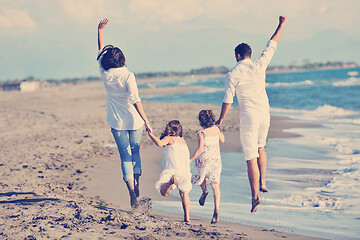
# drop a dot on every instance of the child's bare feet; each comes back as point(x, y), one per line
point(203, 198)
point(215, 217)
point(263, 189)
point(255, 204)
point(174, 181)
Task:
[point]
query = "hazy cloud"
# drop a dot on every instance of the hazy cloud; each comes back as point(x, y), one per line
point(153, 29)
point(83, 10)
point(167, 11)
point(16, 18)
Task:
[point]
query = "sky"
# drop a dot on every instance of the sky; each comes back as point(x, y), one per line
point(58, 39)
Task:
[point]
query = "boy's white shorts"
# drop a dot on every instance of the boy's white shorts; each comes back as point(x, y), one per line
point(253, 134)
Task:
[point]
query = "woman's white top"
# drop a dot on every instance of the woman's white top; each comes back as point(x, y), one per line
point(122, 93)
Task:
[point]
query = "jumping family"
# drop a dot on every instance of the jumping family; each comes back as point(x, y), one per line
point(127, 119)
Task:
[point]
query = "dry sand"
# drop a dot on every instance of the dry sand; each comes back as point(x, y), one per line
point(61, 178)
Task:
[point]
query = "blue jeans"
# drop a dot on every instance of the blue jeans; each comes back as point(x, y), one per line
point(128, 143)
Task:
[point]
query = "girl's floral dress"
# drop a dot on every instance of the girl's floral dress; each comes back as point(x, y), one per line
point(208, 164)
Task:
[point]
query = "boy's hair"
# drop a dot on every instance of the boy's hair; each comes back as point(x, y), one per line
point(206, 118)
point(244, 50)
point(173, 128)
point(112, 57)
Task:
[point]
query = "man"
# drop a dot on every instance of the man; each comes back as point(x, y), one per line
point(247, 80)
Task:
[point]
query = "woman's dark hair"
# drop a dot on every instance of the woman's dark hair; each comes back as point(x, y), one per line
point(112, 57)
point(244, 50)
point(173, 128)
point(206, 118)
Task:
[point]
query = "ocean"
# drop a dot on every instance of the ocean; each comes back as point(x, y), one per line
point(313, 179)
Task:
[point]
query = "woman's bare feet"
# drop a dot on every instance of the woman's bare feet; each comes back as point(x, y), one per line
point(136, 188)
point(215, 217)
point(203, 198)
point(255, 204)
point(133, 201)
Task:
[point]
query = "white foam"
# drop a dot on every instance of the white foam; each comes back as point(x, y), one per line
point(322, 113)
point(290, 84)
point(329, 112)
point(353, 73)
point(312, 200)
point(348, 82)
point(211, 90)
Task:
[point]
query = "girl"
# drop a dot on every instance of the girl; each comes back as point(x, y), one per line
point(176, 164)
point(208, 160)
point(125, 113)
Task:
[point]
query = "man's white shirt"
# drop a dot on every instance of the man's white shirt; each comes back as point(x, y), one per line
point(247, 80)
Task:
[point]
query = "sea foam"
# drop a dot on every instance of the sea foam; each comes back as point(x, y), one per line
point(348, 82)
point(289, 84)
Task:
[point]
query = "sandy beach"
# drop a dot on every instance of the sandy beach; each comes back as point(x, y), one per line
point(60, 172)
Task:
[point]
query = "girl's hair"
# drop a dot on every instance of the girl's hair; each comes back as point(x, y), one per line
point(206, 118)
point(173, 128)
point(112, 57)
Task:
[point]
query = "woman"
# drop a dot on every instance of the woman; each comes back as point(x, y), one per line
point(125, 113)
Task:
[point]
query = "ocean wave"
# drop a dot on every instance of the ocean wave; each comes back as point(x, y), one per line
point(331, 112)
point(340, 193)
point(312, 200)
point(290, 84)
point(325, 112)
point(348, 82)
point(353, 73)
point(211, 90)
point(341, 144)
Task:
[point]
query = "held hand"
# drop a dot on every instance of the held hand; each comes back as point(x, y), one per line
point(218, 123)
point(148, 127)
point(282, 19)
point(103, 23)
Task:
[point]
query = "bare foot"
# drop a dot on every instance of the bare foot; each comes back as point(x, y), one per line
point(187, 221)
point(203, 198)
point(255, 204)
point(133, 201)
point(174, 181)
point(136, 188)
point(263, 189)
point(215, 217)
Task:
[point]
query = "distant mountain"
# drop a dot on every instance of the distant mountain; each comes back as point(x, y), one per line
point(215, 47)
point(328, 45)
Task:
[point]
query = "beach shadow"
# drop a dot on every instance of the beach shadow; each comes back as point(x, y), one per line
point(30, 200)
point(9, 194)
point(25, 200)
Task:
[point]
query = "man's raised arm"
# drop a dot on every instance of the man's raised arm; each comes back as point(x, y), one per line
point(276, 36)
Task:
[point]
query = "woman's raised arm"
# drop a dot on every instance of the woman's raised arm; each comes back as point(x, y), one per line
point(101, 27)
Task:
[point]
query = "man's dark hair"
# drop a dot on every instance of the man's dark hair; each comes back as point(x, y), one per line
point(244, 50)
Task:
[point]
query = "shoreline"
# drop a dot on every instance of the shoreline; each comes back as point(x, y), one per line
point(55, 140)
point(220, 75)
